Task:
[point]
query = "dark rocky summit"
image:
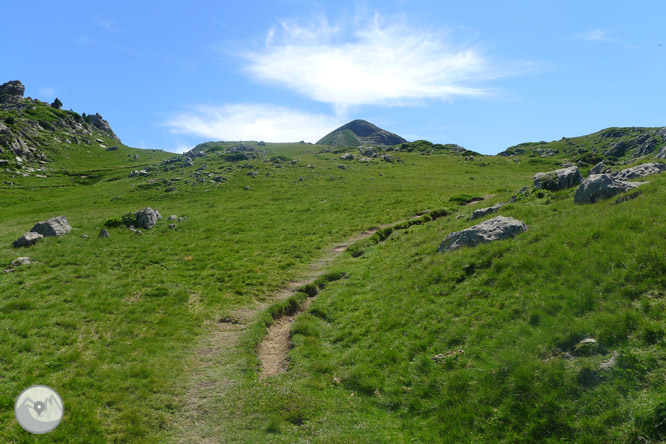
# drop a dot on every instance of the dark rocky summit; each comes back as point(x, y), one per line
point(360, 132)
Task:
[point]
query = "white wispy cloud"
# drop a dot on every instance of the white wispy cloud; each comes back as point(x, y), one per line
point(601, 35)
point(109, 25)
point(595, 35)
point(376, 61)
point(252, 122)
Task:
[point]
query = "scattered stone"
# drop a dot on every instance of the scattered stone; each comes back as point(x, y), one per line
point(481, 212)
point(642, 170)
point(452, 354)
point(147, 218)
point(28, 239)
point(170, 189)
point(56, 226)
point(247, 187)
point(180, 219)
point(627, 197)
point(601, 186)
point(253, 174)
point(103, 233)
point(172, 226)
point(300, 179)
point(342, 167)
point(610, 363)
point(112, 148)
point(586, 347)
point(138, 232)
point(172, 217)
point(497, 228)
point(347, 156)
point(84, 236)
point(138, 173)
point(559, 179)
point(23, 260)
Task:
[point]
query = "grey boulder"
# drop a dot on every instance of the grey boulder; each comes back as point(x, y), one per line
point(103, 233)
point(497, 228)
point(646, 169)
point(559, 179)
point(56, 226)
point(601, 186)
point(481, 212)
point(147, 218)
point(20, 261)
point(28, 239)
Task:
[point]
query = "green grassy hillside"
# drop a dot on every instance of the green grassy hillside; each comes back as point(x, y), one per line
point(114, 324)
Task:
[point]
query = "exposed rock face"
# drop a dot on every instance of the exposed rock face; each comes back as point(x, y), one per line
point(559, 179)
point(497, 228)
point(661, 154)
point(642, 170)
point(617, 149)
point(599, 168)
point(360, 132)
point(601, 186)
point(147, 218)
point(56, 226)
point(29, 238)
point(481, 212)
point(98, 122)
point(12, 92)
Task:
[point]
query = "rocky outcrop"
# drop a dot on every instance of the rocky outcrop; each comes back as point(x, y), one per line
point(147, 218)
point(494, 229)
point(559, 179)
point(28, 239)
point(601, 186)
point(599, 168)
point(56, 226)
point(646, 169)
point(481, 212)
point(98, 122)
point(12, 92)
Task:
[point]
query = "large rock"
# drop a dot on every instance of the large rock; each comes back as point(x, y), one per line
point(56, 226)
point(481, 212)
point(559, 179)
point(98, 122)
point(12, 92)
point(147, 218)
point(27, 239)
point(642, 170)
point(601, 186)
point(494, 229)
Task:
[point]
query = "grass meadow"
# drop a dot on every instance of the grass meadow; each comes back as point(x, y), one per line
point(112, 323)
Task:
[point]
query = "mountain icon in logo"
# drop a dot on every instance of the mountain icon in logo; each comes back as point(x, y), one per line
point(39, 409)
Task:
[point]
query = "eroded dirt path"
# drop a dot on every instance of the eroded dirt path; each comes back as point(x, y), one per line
point(216, 368)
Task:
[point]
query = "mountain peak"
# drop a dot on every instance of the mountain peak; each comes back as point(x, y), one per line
point(360, 132)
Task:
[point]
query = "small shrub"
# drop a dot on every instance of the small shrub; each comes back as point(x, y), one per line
point(127, 220)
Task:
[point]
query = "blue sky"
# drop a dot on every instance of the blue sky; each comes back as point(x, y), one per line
point(483, 74)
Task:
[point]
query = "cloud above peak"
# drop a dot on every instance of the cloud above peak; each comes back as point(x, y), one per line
point(371, 62)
